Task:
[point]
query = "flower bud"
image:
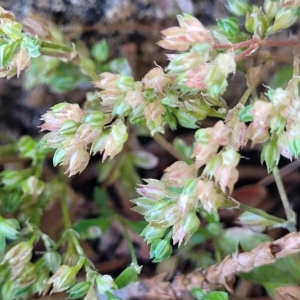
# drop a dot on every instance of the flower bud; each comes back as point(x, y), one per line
point(271, 8)
point(229, 25)
point(191, 224)
point(204, 135)
point(238, 8)
point(79, 290)
point(53, 260)
point(256, 21)
point(119, 132)
point(8, 229)
point(151, 233)
point(160, 250)
point(104, 283)
point(270, 154)
point(32, 186)
point(69, 127)
point(283, 19)
point(12, 178)
point(65, 277)
point(125, 83)
point(95, 119)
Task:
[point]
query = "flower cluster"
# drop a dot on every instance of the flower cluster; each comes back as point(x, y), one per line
point(72, 130)
point(200, 67)
point(140, 100)
point(276, 123)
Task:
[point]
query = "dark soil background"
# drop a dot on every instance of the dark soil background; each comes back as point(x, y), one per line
point(132, 28)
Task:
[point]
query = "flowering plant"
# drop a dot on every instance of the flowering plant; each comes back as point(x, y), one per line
point(190, 89)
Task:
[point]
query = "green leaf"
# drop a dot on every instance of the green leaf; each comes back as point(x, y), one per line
point(198, 293)
point(185, 119)
point(128, 275)
point(119, 65)
point(217, 296)
point(101, 197)
point(78, 290)
point(6, 53)
point(144, 159)
point(32, 46)
point(91, 228)
point(111, 296)
point(281, 77)
point(100, 51)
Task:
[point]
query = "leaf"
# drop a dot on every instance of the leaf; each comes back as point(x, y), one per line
point(128, 275)
point(144, 159)
point(100, 51)
point(91, 228)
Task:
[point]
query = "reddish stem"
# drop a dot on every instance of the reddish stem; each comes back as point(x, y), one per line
point(247, 52)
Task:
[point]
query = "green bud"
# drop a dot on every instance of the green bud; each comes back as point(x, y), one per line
point(104, 283)
point(257, 21)
point(65, 277)
point(79, 290)
point(95, 119)
point(185, 119)
point(203, 136)
point(12, 201)
point(59, 107)
point(238, 8)
point(229, 25)
point(245, 114)
point(130, 274)
point(52, 260)
point(32, 46)
point(284, 18)
point(119, 132)
point(11, 179)
point(32, 186)
point(8, 230)
point(13, 30)
point(160, 250)
point(151, 233)
point(191, 223)
point(69, 127)
point(271, 7)
point(277, 124)
point(59, 156)
point(270, 154)
point(6, 53)
point(126, 83)
point(100, 51)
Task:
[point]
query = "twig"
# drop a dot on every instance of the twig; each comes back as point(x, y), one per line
point(290, 214)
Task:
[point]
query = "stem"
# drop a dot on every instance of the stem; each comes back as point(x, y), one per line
point(261, 213)
point(167, 146)
point(290, 214)
point(255, 82)
point(129, 242)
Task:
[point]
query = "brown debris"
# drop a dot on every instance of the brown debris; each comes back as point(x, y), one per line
point(215, 276)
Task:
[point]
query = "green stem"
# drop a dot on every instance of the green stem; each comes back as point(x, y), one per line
point(167, 146)
point(261, 213)
point(290, 214)
point(129, 242)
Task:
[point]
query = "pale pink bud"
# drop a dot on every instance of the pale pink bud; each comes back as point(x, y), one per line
point(107, 81)
point(85, 135)
point(194, 30)
point(221, 133)
point(156, 79)
point(257, 133)
point(230, 157)
point(262, 112)
point(283, 145)
point(225, 62)
point(178, 173)
point(154, 190)
point(77, 159)
point(174, 39)
point(195, 78)
point(203, 153)
point(134, 98)
point(22, 61)
point(153, 114)
point(226, 177)
point(210, 199)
